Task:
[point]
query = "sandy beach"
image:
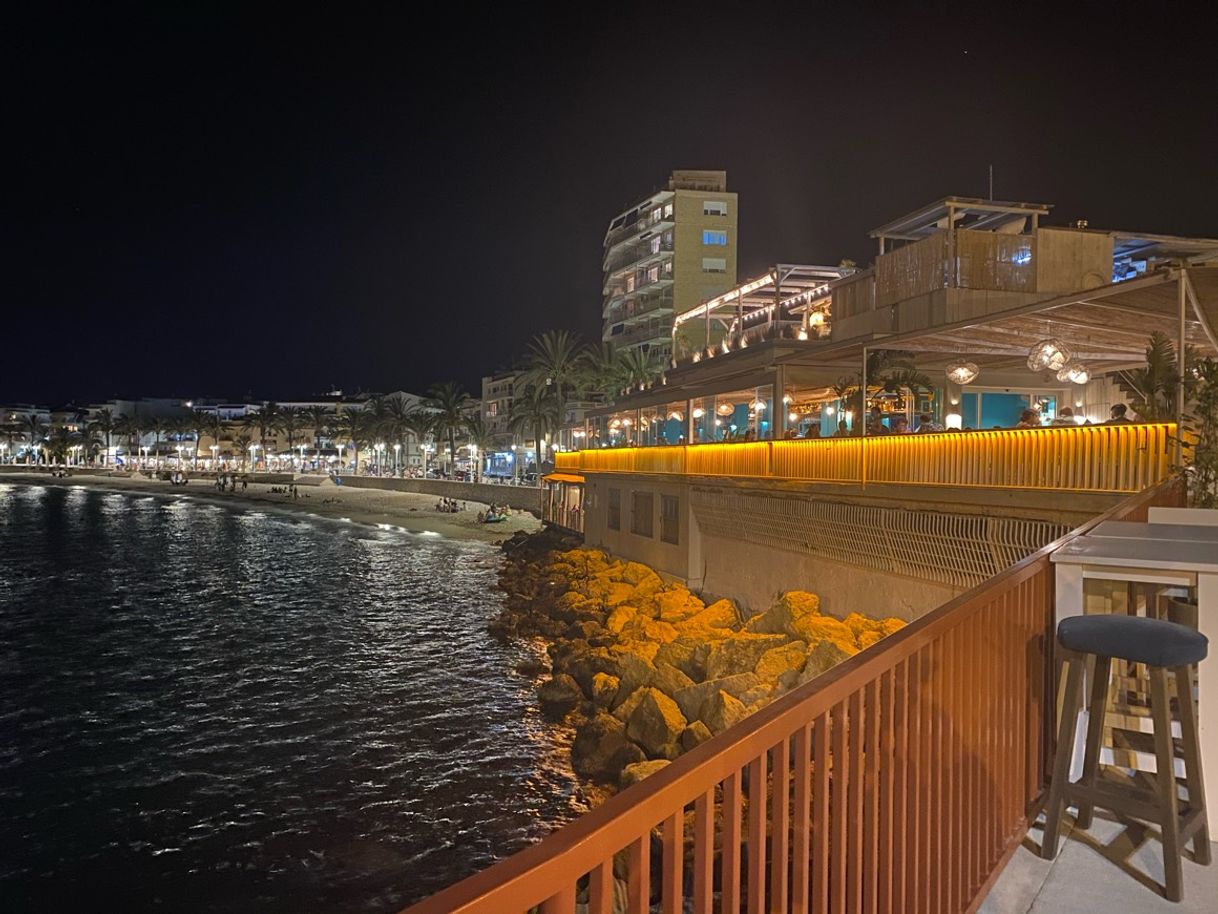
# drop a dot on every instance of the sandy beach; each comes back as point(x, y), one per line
point(414, 512)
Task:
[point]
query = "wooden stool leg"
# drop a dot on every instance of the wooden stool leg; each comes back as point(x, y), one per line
point(1071, 701)
point(1165, 780)
point(1096, 712)
point(1194, 776)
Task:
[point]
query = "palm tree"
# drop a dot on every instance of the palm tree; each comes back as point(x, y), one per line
point(1154, 386)
point(554, 359)
point(200, 422)
point(291, 421)
point(320, 418)
point(241, 445)
point(351, 424)
point(160, 426)
point(535, 411)
point(448, 402)
point(635, 369)
point(104, 423)
point(600, 372)
point(59, 442)
point(33, 429)
point(481, 437)
point(421, 424)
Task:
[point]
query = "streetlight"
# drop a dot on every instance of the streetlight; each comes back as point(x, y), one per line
point(514, 463)
point(397, 453)
point(253, 457)
point(214, 455)
point(302, 452)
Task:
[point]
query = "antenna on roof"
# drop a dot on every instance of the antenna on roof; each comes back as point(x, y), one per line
point(991, 181)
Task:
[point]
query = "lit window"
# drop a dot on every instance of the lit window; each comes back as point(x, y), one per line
point(655, 244)
point(709, 236)
point(629, 283)
point(714, 265)
point(667, 267)
point(667, 210)
point(653, 273)
point(714, 207)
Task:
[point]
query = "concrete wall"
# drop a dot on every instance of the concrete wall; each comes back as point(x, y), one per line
point(524, 498)
point(885, 550)
point(753, 575)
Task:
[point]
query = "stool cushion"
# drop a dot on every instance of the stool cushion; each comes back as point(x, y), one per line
point(1135, 638)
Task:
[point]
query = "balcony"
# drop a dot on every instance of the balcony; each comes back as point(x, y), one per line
point(903, 780)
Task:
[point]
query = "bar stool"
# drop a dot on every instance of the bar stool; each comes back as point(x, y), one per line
point(1161, 646)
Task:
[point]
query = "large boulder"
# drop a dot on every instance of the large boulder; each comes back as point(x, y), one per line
point(634, 572)
point(619, 617)
point(694, 735)
point(623, 711)
point(677, 604)
point(617, 593)
point(633, 668)
point(559, 695)
point(680, 654)
point(869, 638)
point(782, 659)
point(692, 698)
point(669, 680)
point(825, 656)
point(643, 628)
point(601, 750)
point(814, 629)
point(739, 653)
point(722, 711)
point(632, 774)
point(645, 591)
point(720, 614)
point(604, 689)
point(786, 611)
point(583, 663)
point(656, 724)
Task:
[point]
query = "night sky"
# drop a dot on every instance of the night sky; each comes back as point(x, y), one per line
point(202, 200)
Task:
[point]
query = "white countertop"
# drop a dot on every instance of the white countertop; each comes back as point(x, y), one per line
point(1173, 555)
point(1184, 532)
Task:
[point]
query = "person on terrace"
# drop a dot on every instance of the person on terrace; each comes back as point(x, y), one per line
point(1118, 413)
point(1029, 418)
point(927, 425)
point(875, 422)
point(1064, 417)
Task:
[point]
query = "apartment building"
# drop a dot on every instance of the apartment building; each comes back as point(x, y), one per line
point(664, 255)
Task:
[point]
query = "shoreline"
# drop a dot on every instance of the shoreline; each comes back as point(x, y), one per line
point(411, 512)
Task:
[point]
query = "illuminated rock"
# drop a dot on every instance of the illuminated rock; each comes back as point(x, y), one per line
point(656, 724)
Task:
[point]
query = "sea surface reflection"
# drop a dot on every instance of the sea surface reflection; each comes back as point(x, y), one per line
point(214, 710)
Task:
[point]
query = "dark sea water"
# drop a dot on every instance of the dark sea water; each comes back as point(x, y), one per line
point(204, 709)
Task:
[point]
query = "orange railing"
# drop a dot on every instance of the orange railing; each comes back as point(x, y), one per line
point(1101, 458)
point(900, 781)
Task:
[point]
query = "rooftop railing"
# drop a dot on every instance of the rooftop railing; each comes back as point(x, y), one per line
point(901, 780)
point(1101, 458)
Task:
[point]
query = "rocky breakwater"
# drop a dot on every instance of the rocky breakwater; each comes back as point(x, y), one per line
point(645, 670)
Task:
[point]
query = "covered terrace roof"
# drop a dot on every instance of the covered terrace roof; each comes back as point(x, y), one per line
point(1107, 327)
point(787, 286)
